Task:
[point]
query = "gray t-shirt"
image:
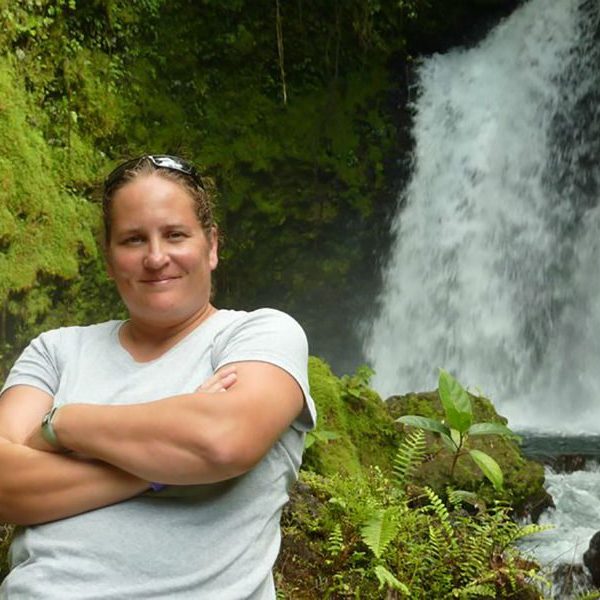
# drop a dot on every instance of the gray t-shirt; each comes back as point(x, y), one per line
point(211, 541)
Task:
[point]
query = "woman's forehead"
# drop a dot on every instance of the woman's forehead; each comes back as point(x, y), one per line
point(147, 199)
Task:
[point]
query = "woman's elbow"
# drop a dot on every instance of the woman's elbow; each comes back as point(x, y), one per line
point(231, 456)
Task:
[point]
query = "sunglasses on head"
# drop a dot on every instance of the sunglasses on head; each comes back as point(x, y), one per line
point(160, 161)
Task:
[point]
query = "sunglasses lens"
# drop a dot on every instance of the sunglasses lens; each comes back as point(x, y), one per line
point(160, 161)
point(171, 162)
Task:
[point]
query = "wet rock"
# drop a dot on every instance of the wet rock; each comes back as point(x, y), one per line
point(591, 558)
point(569, 581)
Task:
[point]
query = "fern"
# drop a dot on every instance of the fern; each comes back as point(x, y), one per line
point(477, 549)
point(335, 542)
point(441, 512)
point(409, 456)
point(380, 530)
point(524, 530)
point(437, 543)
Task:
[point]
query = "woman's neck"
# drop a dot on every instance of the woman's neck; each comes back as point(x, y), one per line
point(146, 340)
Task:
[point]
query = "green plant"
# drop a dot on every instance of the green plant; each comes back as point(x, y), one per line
point(319, 435)
point(459, 427)
point(377, 533)
point(409, 456)
point(386, 543)
point(354, 386)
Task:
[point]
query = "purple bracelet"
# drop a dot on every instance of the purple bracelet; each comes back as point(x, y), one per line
point(156, 487)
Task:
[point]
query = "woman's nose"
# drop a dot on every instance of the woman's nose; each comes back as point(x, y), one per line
point(155, 257)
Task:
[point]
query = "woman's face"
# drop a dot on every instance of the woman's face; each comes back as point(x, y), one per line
point(158, 254)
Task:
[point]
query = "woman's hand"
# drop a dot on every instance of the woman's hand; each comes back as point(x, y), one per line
point(221, 381)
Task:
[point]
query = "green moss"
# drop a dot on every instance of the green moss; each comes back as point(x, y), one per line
point(44, 226)
point(347, 407)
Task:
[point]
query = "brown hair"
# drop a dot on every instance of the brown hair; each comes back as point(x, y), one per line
point(145, 166)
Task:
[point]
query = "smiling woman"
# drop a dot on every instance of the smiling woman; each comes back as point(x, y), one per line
point(159, 255)
point(213, 404)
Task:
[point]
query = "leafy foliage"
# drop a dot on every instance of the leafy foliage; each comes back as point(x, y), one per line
point(423, 549)
point(335, 541)
point(380, 530)
point(459, 426)
point(409, 456)
point(377, 534)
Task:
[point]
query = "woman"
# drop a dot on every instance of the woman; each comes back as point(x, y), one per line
point(95, 420)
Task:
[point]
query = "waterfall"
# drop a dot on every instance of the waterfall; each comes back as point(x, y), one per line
point(494, 273)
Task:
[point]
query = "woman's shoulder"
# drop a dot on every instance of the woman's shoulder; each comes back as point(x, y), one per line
point(263, 331)
point(258, 318)
point(78, 333)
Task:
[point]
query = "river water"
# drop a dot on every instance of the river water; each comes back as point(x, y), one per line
point(494, 273)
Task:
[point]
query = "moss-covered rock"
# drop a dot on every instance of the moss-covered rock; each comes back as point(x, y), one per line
point(523, 479)
point(344, 478)
point(368, 435)
point(365, 432)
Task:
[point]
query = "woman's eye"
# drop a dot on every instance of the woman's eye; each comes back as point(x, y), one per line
point(176, 235)
point(133, 240)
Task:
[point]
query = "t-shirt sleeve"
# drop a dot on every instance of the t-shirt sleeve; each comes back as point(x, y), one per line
point(271, 336)
point(37, 365)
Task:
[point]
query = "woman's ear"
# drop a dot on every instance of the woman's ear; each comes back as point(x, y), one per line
point(213, 252)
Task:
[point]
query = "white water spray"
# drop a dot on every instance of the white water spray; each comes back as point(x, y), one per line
point(495, 270)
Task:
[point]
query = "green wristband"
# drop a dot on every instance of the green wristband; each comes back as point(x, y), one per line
point(48, 432)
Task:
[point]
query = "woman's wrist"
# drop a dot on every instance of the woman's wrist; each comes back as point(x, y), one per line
point(48, 431)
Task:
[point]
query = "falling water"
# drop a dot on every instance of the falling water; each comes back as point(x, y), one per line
point(495, 270)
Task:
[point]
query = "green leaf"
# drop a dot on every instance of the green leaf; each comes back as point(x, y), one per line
point(380, 530)
point(424, 423)
point(456, 438)
point(386, 578)
point(456, 402)
point(491, 429)
point(319, 436)
point(488, 466)
point(449, 442)
point(458, 496)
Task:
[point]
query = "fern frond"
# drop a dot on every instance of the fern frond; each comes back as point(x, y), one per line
point(529, 529)
point(477, 551)
point(436, 543)
point(409, 456)
point(379, 530)
point(335, 541)
point(439, 508)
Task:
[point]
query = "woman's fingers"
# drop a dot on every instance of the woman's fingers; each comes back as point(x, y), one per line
point(220, 381)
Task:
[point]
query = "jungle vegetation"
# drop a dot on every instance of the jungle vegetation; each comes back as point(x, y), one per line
point(296, 111)
point(298, 114)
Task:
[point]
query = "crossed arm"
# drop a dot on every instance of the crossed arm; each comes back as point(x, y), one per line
point(184, 439)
